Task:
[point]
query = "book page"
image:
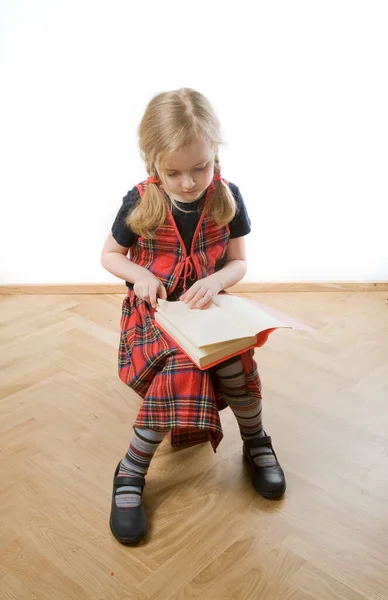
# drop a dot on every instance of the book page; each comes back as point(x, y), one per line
point(203, 327)
point(203, 357)
point(253, 317)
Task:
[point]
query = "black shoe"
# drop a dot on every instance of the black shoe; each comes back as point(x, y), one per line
point(128, 525)
point(268, 481)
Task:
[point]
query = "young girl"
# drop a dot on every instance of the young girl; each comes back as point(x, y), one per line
point(180, 235)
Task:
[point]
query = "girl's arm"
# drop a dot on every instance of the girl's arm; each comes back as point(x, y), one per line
point(114, 258)
point(201, 293)
point(236, 264)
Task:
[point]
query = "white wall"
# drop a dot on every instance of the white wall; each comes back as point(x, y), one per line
point(301, 90)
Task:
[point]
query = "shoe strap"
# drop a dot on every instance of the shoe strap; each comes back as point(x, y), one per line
point(129, 481)
point(258, 442)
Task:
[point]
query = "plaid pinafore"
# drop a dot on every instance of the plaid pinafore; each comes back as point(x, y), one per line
point(176, 394)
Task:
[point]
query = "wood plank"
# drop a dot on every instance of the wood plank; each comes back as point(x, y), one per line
point(247, 287)
point(65, 422)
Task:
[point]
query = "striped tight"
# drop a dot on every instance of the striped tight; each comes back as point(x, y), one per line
point(142, 448)
point(145, 442)
point(247, 409)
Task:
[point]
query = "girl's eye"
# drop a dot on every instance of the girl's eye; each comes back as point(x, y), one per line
point(196, 169)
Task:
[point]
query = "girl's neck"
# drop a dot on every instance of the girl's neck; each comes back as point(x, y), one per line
point(183, 200)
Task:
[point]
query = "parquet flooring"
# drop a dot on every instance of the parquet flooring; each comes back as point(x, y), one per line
point(65, 421)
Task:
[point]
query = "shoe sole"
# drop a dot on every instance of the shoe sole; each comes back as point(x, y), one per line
point(127, 541)
point(268, 495)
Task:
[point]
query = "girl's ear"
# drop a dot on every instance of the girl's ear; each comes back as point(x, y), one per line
point(217, 164)
point(155, 169)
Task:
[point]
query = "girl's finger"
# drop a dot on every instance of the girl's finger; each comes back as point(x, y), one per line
point(187, 296)
point(206, 301)
point(143, 294)
point(140, 293)
point(208, 305)
point(152, 296)
point(162, 292)
point(193, 302)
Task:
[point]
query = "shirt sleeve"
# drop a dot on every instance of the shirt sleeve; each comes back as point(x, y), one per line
point(121, 232)
point(240, 224)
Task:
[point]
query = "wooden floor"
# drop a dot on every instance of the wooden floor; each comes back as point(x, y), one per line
point(65, 420)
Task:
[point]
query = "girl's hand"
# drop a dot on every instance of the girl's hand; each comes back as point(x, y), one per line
point(149, 288)
point(200, 294)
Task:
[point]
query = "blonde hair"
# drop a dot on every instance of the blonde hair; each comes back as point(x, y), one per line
point(173, 120)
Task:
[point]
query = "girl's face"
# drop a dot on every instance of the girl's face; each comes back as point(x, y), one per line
point(187, 174)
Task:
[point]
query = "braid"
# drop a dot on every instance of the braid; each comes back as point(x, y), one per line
point(150, 213)
point(223, 206)
point(217, 165)
point(152, 170)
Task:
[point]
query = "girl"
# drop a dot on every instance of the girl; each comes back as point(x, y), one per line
point(179, 235)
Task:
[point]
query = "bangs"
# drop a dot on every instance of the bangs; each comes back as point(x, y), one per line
point(185, 137)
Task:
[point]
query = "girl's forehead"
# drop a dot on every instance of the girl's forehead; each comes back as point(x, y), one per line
point(189, 156)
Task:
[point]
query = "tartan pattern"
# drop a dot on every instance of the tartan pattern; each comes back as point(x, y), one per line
point(176, 394)
point(160, 255)
point(165, 255)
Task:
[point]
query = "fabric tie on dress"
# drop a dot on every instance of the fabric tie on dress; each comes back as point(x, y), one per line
point(186, 268)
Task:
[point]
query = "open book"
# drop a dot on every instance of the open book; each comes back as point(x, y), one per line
point(229, 327)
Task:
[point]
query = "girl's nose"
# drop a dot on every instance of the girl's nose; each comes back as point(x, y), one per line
point(187, 182)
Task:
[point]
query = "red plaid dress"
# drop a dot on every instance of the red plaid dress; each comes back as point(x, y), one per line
point(176, 394)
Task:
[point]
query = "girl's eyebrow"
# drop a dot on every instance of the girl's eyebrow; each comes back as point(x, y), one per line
point(197, 165)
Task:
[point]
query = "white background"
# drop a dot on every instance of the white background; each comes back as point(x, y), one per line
point(299, 86)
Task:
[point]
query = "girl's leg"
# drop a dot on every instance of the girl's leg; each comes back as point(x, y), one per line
point(247, 410)
point(268, 477)
point(128, 521)
point(135, 463)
